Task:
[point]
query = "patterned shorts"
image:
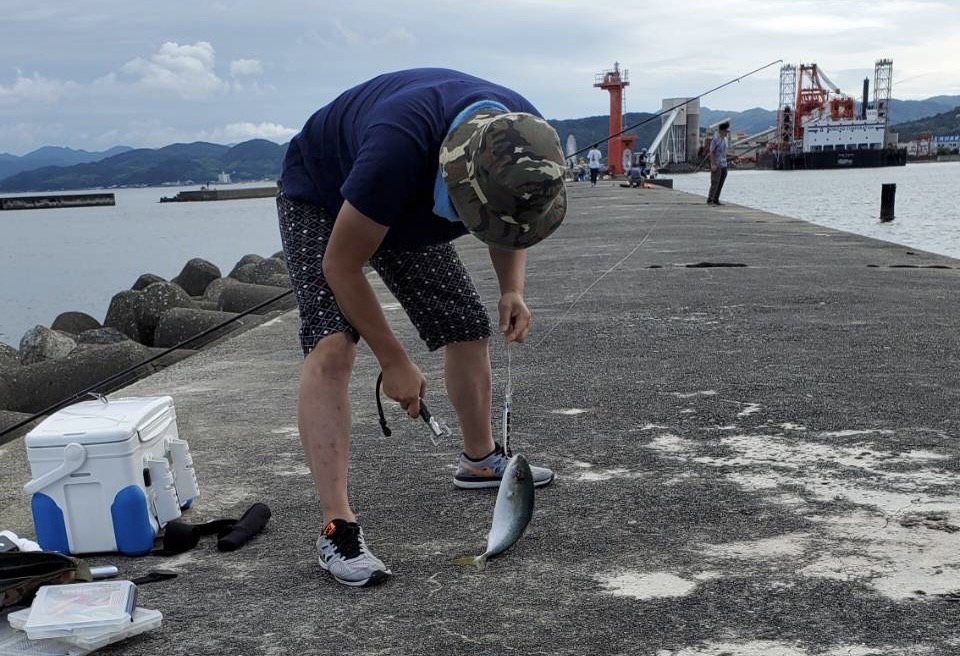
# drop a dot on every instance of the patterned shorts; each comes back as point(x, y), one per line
point(431, 284)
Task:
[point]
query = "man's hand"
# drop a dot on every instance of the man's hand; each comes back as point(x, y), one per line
point(514, 317)
point(404, 383)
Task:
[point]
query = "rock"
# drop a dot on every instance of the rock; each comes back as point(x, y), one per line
point(155, 299)
point(242, 296)
point(100, 336)
point(280, 255)
point(179, 324)
point(245, 260)
point(203, 304)
point(135, 314)
point(38, 386)
point(123, 314)
point(265, 272)
point(74, 322)
point(215, 289)
point(41, 343)
point(196, 275)
point(146, 280)
point(8, 357)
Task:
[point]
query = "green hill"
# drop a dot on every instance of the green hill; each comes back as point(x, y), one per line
point(198, 162)
point(945, 123)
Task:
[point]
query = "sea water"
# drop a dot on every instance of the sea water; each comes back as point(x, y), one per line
point(76, 259)
point(927, 200)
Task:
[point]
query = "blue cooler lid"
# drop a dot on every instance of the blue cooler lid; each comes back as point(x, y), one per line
point(97, 422)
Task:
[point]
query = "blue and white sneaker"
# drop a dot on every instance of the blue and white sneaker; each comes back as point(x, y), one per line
point(344, 553)
point(487, 472)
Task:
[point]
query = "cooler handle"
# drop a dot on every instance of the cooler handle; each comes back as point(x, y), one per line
point(74, 455)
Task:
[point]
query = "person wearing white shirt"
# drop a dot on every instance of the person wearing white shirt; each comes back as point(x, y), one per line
point(593, 162)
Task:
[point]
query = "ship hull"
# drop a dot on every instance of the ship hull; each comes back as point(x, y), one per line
point(837, 159)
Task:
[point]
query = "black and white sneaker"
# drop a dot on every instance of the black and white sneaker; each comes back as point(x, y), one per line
point(344, 553)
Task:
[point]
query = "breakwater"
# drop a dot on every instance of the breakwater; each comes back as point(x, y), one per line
point(58, 200)
point(220, 194)
point(77, 351)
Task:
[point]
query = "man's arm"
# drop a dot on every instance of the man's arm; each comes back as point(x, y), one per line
point(513, 315)
point(355, 238)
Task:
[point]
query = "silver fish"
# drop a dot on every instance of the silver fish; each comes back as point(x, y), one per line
point(511, 513)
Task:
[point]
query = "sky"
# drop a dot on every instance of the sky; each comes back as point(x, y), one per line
point(92, 74)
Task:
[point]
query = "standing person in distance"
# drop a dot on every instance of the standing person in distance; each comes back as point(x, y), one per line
point(389, 173)
point(718, 163)
point(593, 161)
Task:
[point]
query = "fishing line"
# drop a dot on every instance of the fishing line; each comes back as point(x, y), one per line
point(507, 399)
point(596, 282)
point(92, 390)
point(509, 388)
point(670, 109)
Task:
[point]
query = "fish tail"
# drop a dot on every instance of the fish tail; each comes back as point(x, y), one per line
point(476, 561)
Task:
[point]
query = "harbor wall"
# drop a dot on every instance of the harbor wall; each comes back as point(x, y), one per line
point(59, 200)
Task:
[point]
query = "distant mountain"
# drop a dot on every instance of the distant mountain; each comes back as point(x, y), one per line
point(943, 124)
point(199, 162)
point(750, 121)
point(52, 156)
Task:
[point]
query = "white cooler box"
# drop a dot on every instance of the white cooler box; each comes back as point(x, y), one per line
point(108, 475)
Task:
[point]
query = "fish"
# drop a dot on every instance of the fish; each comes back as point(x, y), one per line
point(511, 512)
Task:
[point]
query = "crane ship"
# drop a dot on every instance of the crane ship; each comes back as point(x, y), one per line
point(820, 127)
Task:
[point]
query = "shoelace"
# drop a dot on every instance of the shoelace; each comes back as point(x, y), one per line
point(346, 540)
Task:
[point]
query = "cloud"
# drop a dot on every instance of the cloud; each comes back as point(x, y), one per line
point(35, 89)
point(245, 130)
point(185, 70)
point(241, 67)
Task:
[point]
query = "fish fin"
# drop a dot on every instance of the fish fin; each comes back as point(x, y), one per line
point(476, 561)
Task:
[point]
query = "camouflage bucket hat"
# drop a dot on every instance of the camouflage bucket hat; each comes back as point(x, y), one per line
point(504, 173)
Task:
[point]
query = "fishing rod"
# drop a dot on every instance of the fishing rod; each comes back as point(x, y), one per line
point(92, 390)
point(670, 109)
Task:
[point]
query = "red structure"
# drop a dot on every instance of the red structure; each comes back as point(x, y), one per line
point(814, 99)
point(614, 81)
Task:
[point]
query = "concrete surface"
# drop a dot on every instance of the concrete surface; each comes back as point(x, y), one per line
point(756, 459)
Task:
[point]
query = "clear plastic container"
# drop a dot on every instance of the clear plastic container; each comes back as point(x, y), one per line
point(144, 620)
point(16, 643)
point(81, 609)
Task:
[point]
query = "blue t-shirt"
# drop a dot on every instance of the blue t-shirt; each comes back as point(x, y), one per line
point(377, 145)
point(718, 146)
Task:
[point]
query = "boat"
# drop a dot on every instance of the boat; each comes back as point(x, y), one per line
point(820, 127)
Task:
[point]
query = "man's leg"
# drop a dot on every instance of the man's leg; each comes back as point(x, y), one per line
point(467, 371)
point(722, 179)
point(714, 178)
point(325, 421)
point(324, 416)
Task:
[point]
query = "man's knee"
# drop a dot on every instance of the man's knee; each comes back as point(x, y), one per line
point(473, 347)
point(332, 357)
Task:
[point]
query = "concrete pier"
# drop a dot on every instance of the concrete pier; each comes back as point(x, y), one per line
point(754, 422)
point(221, 194)
point(48, 201)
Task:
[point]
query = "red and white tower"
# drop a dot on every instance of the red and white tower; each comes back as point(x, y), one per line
point(614, 81)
